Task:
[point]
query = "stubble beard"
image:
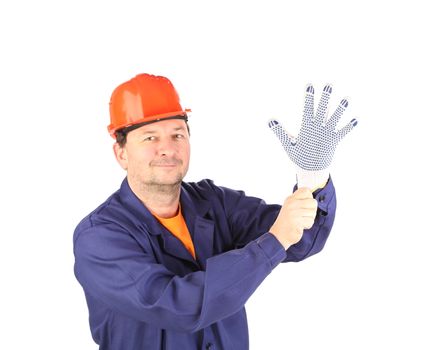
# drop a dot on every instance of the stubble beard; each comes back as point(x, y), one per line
point(153, 185)
point(157, 184)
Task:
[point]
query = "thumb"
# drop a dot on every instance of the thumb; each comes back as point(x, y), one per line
point(303, 193)
point(346, 129)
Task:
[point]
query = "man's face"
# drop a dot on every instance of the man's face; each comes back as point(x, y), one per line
point(156, 154)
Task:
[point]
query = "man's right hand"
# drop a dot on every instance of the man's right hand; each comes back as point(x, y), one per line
point(297, 213)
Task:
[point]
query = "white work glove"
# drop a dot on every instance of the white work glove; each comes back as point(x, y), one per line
point(313, 149)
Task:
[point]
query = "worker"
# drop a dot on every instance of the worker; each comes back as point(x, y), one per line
point(169, 264)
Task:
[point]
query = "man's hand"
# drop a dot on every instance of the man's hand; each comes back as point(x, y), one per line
point(297, 213)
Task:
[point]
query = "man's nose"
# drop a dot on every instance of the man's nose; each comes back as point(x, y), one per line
point(166, 148)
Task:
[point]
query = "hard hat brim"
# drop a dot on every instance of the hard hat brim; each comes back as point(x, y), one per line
point(149, 120)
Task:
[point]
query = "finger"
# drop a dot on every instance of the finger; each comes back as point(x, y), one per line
point(321, 113)
point(308, 104)
point(285, 139)
point(308, 222)
point(346, 129)
point(309, 203)
point(305, 213)
point(334, 119)
point(295, 204)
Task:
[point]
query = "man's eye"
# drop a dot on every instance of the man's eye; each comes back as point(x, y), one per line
point(179, 136)
point(150, 138)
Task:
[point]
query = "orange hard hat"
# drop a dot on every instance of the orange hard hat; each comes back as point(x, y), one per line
point(142, 99)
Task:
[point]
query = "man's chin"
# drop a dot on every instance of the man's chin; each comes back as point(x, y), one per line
point(164, 184)
point(164, 187)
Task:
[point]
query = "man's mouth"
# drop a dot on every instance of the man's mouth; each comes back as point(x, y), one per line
point(166, 163)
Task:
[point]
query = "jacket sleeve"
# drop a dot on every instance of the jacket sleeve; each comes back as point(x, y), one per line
point(313, 239)
point(113, 268)
point(251, 217)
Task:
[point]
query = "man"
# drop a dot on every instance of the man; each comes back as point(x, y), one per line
point(167, 264)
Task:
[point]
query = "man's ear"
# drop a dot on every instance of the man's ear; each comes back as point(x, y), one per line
point(121, 155)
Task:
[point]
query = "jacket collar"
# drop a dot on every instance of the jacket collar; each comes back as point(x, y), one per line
point(197, 214)
point(200, 222)
point(135, 206)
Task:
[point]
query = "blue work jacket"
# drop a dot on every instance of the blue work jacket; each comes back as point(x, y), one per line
point(145, 291)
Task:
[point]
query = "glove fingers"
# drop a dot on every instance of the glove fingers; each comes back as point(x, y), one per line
point(321, 113)
point(286, 140)
point(346, 129)
point(334, 119)
point(308, 105)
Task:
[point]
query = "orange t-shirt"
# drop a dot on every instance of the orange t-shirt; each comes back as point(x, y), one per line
point(177, 226)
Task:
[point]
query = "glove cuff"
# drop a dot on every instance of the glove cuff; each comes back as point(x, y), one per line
point(311, 179)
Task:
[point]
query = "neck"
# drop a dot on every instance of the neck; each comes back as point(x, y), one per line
point(161, 200)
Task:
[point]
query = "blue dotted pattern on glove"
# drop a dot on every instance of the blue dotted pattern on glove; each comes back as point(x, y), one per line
point(315, 145)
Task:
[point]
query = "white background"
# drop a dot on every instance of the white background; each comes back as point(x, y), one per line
point(237, 64)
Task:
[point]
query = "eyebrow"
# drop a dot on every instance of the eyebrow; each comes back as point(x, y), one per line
point(178, 128)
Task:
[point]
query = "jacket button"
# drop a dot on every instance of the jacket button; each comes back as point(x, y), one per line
point(321, 198)
point(209, 346)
